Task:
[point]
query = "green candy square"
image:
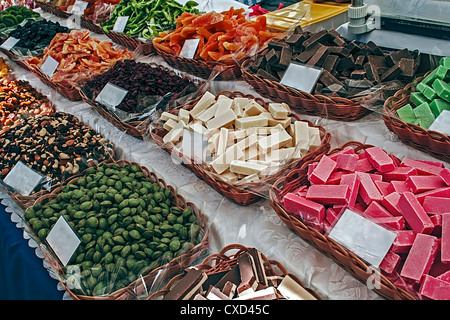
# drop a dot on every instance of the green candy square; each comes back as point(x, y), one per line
point(438, 105)
point(424, 115)
point(406, 112)
point(442, 89)
point(417, 98)
point(445, 62)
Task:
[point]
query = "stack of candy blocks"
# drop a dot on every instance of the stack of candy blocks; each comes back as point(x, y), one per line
point(410, 197)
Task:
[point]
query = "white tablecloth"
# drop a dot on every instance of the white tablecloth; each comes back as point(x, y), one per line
point(255, 225)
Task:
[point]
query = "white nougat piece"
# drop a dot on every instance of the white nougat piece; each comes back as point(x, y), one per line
point(273, 122)
point(238, 105)
point(314, 138)
point(279, 111)
point(251, 153)
point(198, 128)
point(223, 105)
point(223, 141)
point(301, 132)
point(175, 134)
point(222, 162)
point(167, 115)
point(276, 140)
point(229, 176)
point(252, 121)
point(292, 290)
point(205, 101)
point(208, 113)
point(253, 108)
point(183, 115)
point(279, 155)
point(248, 142)
point(246, 168)
point(221, 121)
point(169, 124)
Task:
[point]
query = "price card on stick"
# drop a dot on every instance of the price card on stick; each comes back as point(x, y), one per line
point(49, 66)
point(23, 179)
point(189, 48)
point(362, 236)
point(111, 95)
point(301, 77)
point(9, 43)
point(63, 240)
point(120, 24)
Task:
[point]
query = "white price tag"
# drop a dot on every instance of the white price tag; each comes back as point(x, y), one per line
point(111, 95)
point(79, 7)
point(362, 236)
point(121, 23)
point(301, 77)
point(189, 48)
point(63, 240)
point(23, 179)
point(49, 66)
point(9, 43)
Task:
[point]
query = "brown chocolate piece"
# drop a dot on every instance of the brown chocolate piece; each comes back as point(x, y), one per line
point(391, 73)
point(318, 37)
point(359, 62)
point(277, 45)
point(352, 47)
point(188, 286)
point(319, 57)
point(330, 63)
point(339, 51)
point(327, 79)
point(215, 294)
point(407, 66)
point(358, 74)
point(229, 289)
point(247, 272)
point(345, 64)
point(377, 61)
point(307, 54)
point(296, 39)
point(272, 56)
point(395, 57)
point(374, 48)
point(266, 75)
point(285, 58)
point(232, 276)
point(371, 73)
point(259, 267)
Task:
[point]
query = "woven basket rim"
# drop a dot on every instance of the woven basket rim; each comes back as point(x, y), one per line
point(242, 187)
point(361, 267)
point(124, 292)
point(224, 262)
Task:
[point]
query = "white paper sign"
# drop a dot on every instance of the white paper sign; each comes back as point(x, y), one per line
point(63, 240)
point(189, 48)
point(79, 7)
point(111, 95)
point(362, 236)
point(121, 23)
point(49, 66)
point(23, 179)
point(9, 43)
point(301, 77)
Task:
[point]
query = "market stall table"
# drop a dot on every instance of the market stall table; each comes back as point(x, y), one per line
point(256, 225)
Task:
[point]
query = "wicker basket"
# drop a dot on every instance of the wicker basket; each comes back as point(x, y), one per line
point(335, 108)
point(247, 193)
point(130, 43)
point(201, 68)
point(339, 254)
point(91, 25)
point(133, 289)
point(70, 92)
point(51, 8)
point(135, 128)
point(225, 260)
point(428, 141)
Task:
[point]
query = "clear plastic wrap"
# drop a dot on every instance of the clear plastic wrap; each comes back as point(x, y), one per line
point(237, 142)
point(141, 88)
